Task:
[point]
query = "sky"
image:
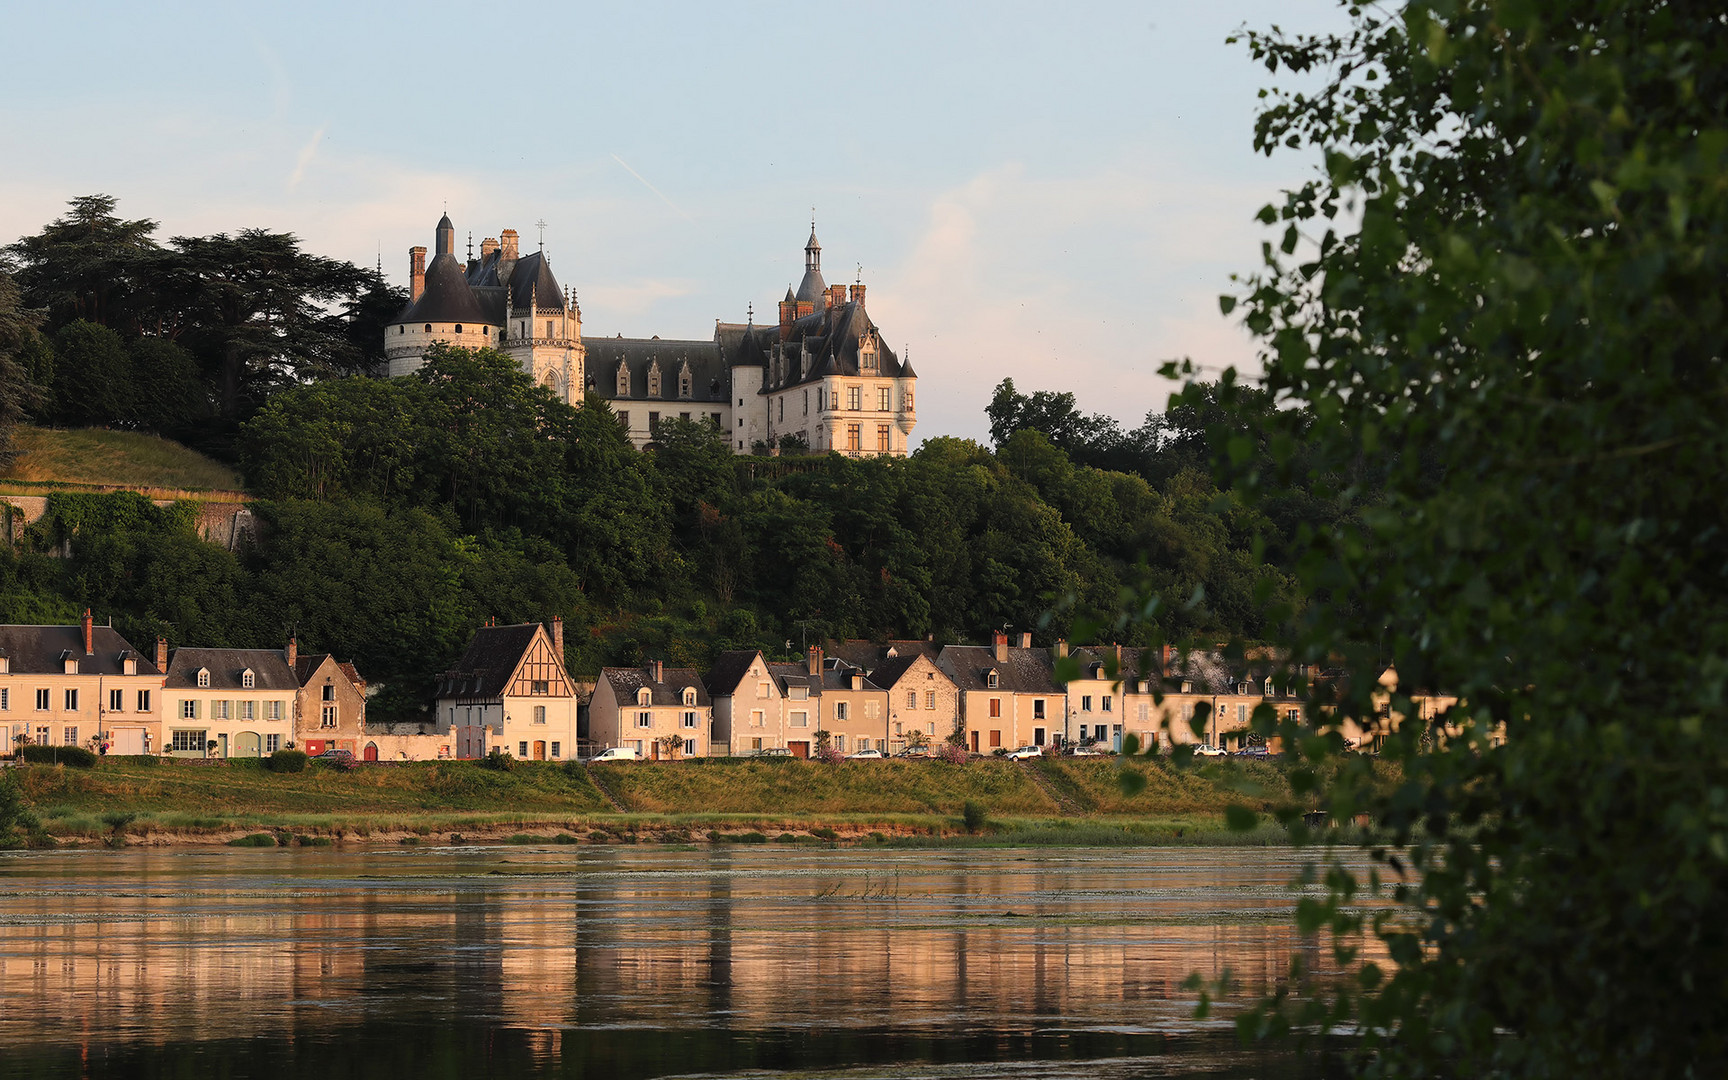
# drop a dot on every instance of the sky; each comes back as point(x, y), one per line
point(1055, 194)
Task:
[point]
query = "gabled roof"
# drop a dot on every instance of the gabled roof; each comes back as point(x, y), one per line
point(37, 650)
point(625, 682)
point(492, 656)
point(1026, 671)
point(710, 382)
point(729, 670)
point(531, 278)
point(832, 338)
point(269, 667)
point(306, 664)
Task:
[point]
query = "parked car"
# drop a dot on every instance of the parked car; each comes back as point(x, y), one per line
point(1252, 752)
point(1083, 751)
point(1204, 750)
point(1024, 752)
point(865, 755)
point(773, 751)
point(618, 753)
point(336, 756)
point(909, 753)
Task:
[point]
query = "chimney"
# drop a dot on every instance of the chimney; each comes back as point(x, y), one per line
point(657, 668)
point(836, 295)
point(508, 243)
point(1025, 639)
point(1118, 651)
point(1062, 648)
point(813, 659)
point(89, 634)
point(293, 651)
point(488, 246)
point(558, 637)
point(1165, 671)
point(858, 295)
point(788, 313)
point(857, 680)
point(1001, 647)
point(162, 655)
point(416, 273)
point(804, 308)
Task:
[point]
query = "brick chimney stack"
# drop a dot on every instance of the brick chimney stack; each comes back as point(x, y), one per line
point(558, 637)
point(1025, 639)
point(836, 296)
point(293, 651)
point(162, 655)
point(813, 659)
point(657, 668)
point(788, 313)
point(89, 634)
point(488, 246)
point(416, 273)
point(508, 243)
point(1062, 649)
point(1001, 647)
point(1168, 650)
point(858, 295)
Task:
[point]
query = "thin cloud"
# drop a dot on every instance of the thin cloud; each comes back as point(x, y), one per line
point(652, 188)
point(307, 153)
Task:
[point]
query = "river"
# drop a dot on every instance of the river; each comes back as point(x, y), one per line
point(635, 962)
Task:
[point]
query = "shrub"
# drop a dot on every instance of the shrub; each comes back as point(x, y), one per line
point(825, 833)
point(286, 761)
point(498, 760)
point(312, 841)
point(829, 755)
point(257, 839)
point(974, 816)
point(952, 754)
point(786, 838)
point(75, 756)
point(524, 838)
point(749, 838)
point(565, 838)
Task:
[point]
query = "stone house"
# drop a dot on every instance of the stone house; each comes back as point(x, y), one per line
point(330, 707)
point(847, 704)
point(922, 697)
point(1009, 695)
point(74, 685)
point(240, 699)
point(650, 708)
point(510, 692)
point(748, 704)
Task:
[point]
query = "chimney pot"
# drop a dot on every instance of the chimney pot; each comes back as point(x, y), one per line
point(416, 273)
point(814, 659)
point(1025, 639)
point(293, 651)
point(658, 668)
point(162, 655)
point(558, 637)
point(89, 633)
point(1001, 647)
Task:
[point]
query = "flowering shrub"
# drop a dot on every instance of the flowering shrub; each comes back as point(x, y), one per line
point(952, 754)
point(830, 755)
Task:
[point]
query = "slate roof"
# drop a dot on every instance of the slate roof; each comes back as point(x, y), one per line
point(625, 682)
point(447, 298)
point(38, 650)
point(306, 664)
point(532, 274)
point(269, 667)
point(710, 381)
point(1026, 671)
point(790, 675)
point(832, 337)
point(729, 670)
point(889, 671)
point(492, 656)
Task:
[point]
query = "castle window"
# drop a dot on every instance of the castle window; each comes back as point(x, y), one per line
point(906, 399)
point(401, 329)
point(623, 379)
point(854, 436)
point(882, 438)
point(458, 328)
point(806, 403)
point(782, 408)
point(884, 399)
point(549, 328)
point(854, 397)
point(866, 355)
point(624, 420)
point(428, 328)
point(684, 382)
point(654, 379)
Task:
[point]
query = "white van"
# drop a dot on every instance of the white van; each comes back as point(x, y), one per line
point(618, 753)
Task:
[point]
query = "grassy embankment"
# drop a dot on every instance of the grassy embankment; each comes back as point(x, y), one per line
point(96, 458)
point(1053, 801)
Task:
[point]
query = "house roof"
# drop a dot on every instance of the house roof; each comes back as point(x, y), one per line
point(1026, 671)
point(447, 297)
point(306, 664)
point(729, 670)
point(832, 337)
point(35, 650)
point(492, 656)
point(625, 682)
point(531, 278)
point(709, 379)
point(269, 668)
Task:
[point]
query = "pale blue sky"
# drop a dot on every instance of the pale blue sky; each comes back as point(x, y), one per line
point(1052, 193)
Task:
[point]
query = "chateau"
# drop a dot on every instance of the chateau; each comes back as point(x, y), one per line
point(821, 377)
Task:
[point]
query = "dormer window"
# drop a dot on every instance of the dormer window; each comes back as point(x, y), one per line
point(248, 681)
point(689, 696)
point(128, 666)
point(623, 381)
point(684, 382)
point(71, 665)
point(1187, 687)
point(993, 679)
point(5, 665)
point(654, 379)
point(644, 696)
point(867, 353)
point(203, 678)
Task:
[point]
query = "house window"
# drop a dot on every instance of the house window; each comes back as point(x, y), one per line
point(143, 701)
point(1037, 708)
point(756, 717)
point(184, 741)
point(872, 710)
point(69, 737)
point(72, 700)
point(911, 699)
point(996, 738)
point(272, 743)
point(540, 686)
point(557, 750)
point(840, 743)
point(755, 744)
point(248, 680)
point(644, 696)
point(5, 699)
point(882, 438)
point(689, 719)
point(854, 398)
point(539, 714)
point(854, 436)
point(42, 736)
point(218, 710)
point(800, 719)
point(884, 399)
point(840, 710)
point(995, 706)
point(689, 696)
point(1100, 733)
point(522, 750)
point(761, 689)
point(328, 717)
point(644, 719)
point(116, 700)
point(1241, 713)
point(248, 710)
point(1293, 715)
point(1106, 702)
point(273, 710)
point(42, 701)
point(1086, 703)
point(329, 692)
point(189, 710)
point(992, 680)
point(929, 699)
point(1145, 712)
point(203, 678)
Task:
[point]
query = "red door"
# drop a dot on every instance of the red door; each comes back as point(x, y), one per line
point(371, 751)
point(799, 749)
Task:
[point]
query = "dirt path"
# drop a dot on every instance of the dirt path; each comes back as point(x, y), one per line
point(594, 778)
point(1064, 804)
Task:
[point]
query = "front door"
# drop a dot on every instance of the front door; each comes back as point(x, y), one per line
point(222, 747)
point(247, 744)
point(799, 749)
point(371, 751)
point(974, 742)
point(539, 750)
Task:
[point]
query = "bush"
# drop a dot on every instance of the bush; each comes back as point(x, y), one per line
point(974, 815)
point(825, 833)
point(952, 754)
point(786, 838)
point(749, 838)
point(257, 839)
point(498, 760)
point(75, 756)
point(286, 761)
point(312, 841)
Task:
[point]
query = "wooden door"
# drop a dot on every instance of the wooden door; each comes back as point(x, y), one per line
point(799, 749)
point(371, 751)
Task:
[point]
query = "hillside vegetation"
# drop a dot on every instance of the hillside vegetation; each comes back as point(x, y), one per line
point(100, 457)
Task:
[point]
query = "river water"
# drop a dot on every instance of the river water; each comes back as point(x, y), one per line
point(632, 962)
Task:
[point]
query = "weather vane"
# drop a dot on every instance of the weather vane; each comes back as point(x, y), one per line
point(542, 226)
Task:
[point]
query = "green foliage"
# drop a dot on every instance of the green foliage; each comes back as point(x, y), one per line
point(286, 761)
point(975, 816)
point(257, 839)
point(72, 756)
point(497, 760)
point(1497, 322)
point(17, 822)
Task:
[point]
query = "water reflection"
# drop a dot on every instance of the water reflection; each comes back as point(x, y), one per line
point(629, 962)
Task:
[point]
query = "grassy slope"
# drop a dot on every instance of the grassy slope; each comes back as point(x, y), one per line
point(118, 458)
